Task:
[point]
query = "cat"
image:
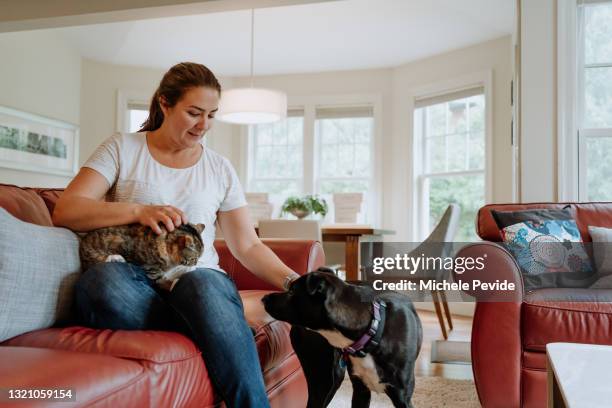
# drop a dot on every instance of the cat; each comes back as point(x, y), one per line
point(165, 257)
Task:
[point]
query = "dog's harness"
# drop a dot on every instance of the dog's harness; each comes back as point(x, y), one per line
point(371, 338)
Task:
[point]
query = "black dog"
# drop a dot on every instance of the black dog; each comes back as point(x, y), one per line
point(377, 335)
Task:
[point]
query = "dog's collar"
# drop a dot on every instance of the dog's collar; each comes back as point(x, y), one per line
point(372, 337)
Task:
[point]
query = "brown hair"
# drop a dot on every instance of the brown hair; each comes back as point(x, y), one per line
point(178, 80)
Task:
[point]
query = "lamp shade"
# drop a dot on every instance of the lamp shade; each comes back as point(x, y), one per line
point(249, 106)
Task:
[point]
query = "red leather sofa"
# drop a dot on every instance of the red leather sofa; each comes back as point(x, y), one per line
point(148, 368)
point(510, 330)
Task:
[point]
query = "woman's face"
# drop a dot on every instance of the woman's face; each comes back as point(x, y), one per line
point(192, 116)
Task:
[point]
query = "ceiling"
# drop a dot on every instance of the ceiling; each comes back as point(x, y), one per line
point(329, 36)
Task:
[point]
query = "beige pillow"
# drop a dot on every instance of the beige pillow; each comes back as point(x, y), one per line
point(38, 269)
point(602, 249)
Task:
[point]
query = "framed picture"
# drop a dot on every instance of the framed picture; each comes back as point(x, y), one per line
point(35, 143)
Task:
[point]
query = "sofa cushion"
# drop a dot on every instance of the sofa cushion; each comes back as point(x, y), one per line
point(602, 243)
point(566, 315)
point(106, 380)
point(25, 204)
point(550, 253)
point(506, 218)
point(154, 346)
point(175, 368)
point(38, 269)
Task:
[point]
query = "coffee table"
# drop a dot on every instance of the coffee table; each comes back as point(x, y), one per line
point(579, 375)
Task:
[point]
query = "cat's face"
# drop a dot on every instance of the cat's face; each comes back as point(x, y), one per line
point(185, 244)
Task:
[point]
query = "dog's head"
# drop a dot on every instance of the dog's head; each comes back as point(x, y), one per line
point(305, 303)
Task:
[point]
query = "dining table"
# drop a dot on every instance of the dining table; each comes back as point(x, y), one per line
point(351, 235)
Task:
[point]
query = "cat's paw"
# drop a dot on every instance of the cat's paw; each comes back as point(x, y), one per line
point(115, 258)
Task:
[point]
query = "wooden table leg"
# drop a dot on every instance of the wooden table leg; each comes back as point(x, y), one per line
point(352, 257)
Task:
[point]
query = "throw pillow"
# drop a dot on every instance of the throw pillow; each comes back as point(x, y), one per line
point(550, 253)
point(38, 269)
point(602, 244)
point(506, 218)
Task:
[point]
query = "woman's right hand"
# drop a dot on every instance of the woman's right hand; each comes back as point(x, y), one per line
point(152, 215)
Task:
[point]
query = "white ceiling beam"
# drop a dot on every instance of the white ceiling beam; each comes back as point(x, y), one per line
point(19, 15)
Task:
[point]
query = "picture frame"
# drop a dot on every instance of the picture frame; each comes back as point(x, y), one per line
point(35, 143)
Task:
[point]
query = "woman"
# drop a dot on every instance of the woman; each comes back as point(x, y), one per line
point(163, 174)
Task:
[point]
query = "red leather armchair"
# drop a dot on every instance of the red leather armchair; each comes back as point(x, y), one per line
point(510, 330)
point(148, 368)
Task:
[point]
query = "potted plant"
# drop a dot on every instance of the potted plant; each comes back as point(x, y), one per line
point(304, 206)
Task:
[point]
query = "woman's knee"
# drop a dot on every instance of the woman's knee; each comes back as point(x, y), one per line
point(104, 280)
point(204, 282)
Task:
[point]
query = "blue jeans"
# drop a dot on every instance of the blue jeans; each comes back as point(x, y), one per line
point(204, 304)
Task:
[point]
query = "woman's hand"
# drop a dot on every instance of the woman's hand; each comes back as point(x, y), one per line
point(152, 215)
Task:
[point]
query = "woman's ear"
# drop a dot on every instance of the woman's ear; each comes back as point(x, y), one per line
point(163, 105)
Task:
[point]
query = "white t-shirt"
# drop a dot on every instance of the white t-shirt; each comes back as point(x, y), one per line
point(200, 191)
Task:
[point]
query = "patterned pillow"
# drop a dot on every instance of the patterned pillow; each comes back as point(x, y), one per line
point(550, 253)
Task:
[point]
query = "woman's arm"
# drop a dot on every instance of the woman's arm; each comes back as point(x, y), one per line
point(81, 207)
point(245, 245)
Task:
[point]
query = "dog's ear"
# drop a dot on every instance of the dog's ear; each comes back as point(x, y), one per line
point(325, 269)
point(315, 284)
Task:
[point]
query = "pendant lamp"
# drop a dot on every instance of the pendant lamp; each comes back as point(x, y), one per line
point(249, 106)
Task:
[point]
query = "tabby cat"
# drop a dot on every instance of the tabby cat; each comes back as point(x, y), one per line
point(165, 257)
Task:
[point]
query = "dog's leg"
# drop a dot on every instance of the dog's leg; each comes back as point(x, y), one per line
point(361, 393)
point(320, 363)
point(401, 397)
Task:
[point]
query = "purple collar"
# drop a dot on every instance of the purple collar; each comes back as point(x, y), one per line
point(372, 337)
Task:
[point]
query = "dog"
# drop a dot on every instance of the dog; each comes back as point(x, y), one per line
point(336, 325)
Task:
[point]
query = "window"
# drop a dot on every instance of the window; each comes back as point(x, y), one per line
point(137, 113)
point(316, 150)
point(343, 155)
point(594, 54)
point(450, 159)
point(276, 158)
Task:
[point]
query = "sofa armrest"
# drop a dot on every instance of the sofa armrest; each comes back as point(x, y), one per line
point(499, 265)
point(300, 255)
point(496, 328)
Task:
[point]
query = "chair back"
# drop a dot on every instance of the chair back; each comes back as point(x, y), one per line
point(447, 227)
point(296, 229)
point(439, 243)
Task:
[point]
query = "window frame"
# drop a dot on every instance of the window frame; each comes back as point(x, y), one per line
point(572, 138)
point(482, 79)
point(309, 104)
point(125, 98)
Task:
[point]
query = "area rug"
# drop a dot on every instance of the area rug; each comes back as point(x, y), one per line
point(430, 392)
point(451, 352)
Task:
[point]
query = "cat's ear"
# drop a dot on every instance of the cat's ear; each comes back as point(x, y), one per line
point(181, 240)
point(199, 227)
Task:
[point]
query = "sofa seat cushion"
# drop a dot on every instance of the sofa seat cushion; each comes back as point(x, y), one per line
point(176, 372)
point(271, 336)
point(154, 346)
point(566, 315)
point(101, 379)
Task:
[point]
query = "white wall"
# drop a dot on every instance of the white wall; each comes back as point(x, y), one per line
point(538, 101)
point(39, 74)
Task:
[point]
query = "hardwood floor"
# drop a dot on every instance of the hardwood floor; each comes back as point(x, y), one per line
point(431, 331)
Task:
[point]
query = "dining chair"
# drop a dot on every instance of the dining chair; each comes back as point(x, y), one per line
point(443, 234)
